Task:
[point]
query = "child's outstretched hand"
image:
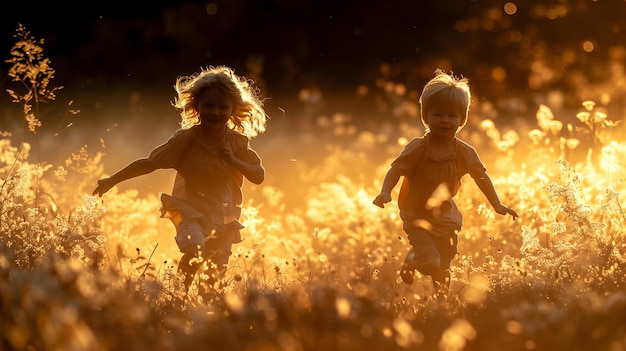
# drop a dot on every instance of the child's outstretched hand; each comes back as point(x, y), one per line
point(382, 199)
point(104, 185)
point(503, 210)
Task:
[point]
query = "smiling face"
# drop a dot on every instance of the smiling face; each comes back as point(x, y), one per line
point(214, 107)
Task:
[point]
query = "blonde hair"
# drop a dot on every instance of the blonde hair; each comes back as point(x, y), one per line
point(248, 117)
point(446, 88)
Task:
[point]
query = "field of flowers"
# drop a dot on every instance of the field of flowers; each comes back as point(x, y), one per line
point(318, 269)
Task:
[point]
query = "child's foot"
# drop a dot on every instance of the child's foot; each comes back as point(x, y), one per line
point(408, 268)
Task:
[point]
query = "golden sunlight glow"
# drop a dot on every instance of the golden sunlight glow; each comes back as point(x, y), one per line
point(455, 338)
point(490, 130)
point(547, 122)
point(476, 292)
point(613, 160)
point(343, 308)
point(320, 266)
point(406, 335)
point(234, 302)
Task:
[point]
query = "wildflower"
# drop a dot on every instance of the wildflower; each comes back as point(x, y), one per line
point(536, 136)
point(588, 105)
point(33, 70)
point(60, 174)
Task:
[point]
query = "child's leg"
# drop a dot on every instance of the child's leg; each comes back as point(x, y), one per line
point(188, 266)
point(190, 240)
point(216, 255)
point(441, 282)
point(423, 255)
point(408, 268)
point(448, 249)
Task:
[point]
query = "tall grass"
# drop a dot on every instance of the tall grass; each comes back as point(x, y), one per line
point(318, 269)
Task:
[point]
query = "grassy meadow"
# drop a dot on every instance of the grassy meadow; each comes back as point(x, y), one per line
point(318, 269)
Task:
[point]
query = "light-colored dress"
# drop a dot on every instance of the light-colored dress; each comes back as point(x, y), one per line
point(429, 185)
point(206, 189)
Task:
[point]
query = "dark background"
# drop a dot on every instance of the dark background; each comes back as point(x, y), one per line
point(336, 45)
point(118, 60)
point(136, 44)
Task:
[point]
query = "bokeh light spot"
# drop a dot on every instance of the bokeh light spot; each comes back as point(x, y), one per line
point(510, 8)
point(211, 8)
point(362, 90)
point(515, 35)
point(498, 74)
point(494, 14)
point(462, 26)
point(588, 46)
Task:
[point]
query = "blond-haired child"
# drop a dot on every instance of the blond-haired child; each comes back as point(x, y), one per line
point(211, 153)
point(432, 167)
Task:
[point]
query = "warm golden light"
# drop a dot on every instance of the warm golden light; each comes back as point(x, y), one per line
point(320, 266)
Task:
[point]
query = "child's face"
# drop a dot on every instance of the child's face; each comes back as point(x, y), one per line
point(444, 120)
point(214, 107)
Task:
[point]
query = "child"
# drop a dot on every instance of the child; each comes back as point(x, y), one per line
point(432, 167)
point(211, 153)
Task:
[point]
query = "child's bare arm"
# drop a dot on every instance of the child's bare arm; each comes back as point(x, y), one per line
point(486, 186)
point(391, 179)
point(136, 168)
point(253, 172)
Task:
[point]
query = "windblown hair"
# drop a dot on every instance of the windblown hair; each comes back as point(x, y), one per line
point(249, 117)
point(446, 89)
